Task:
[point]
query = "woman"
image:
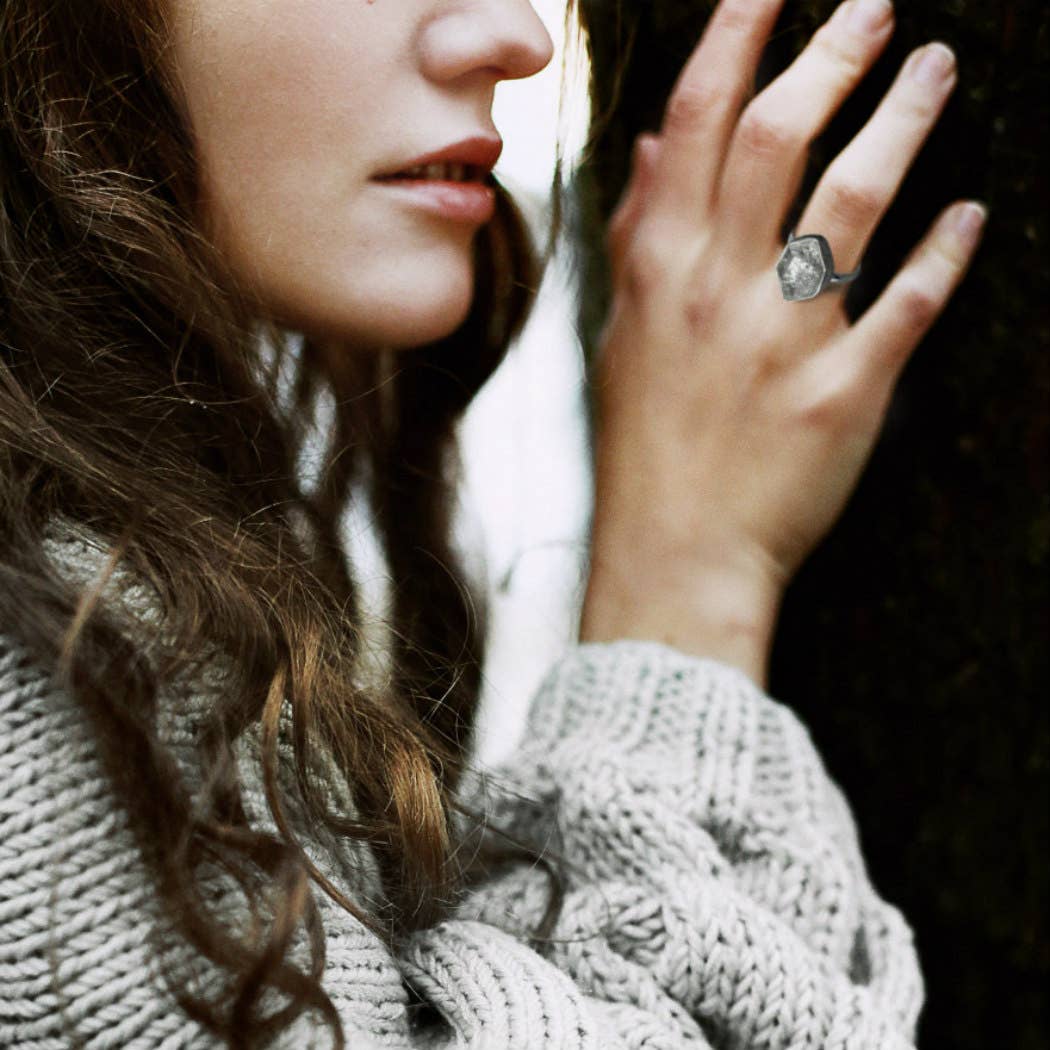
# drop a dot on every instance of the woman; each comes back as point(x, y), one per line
point(223, 819)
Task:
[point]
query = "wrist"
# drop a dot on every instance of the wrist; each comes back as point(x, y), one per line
point(714, 610)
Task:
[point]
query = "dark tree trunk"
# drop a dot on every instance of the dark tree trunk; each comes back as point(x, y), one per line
point(914, 640)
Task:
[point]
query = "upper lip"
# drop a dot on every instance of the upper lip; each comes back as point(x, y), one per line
point(480, 151)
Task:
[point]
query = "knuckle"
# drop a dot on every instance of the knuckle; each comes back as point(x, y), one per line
point(736, 14)
point(917, 303)
point(949, 253)
point(823, 412)
point(914, 102)
point(649, 262)
point(833, 49)
point(702, 302)
point(693, 106)
point(854, 203)
point(917, 112)
point(762, 133)
point(831, 403)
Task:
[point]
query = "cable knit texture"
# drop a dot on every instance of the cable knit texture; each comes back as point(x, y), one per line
point(717, 896)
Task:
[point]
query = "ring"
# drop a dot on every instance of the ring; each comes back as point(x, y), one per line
point(806, 269)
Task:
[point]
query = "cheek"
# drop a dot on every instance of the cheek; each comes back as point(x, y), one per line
point(285, 155)
point(271, 101)
point(268, 170)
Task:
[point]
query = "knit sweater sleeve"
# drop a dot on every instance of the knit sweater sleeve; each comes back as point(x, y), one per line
point(717, 896)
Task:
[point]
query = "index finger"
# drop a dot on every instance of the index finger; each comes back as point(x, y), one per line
point(705, 103)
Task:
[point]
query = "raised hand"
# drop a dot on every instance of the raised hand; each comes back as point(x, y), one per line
point(734, 425)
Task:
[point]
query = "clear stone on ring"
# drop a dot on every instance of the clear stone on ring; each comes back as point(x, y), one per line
point(801, 269)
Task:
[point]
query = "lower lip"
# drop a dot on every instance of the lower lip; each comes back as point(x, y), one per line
point(462, 201)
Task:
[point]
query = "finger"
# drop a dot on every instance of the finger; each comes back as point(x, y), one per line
point(623, 220)
point(859, 185)
point(768, 151)
point(704, 103)
point(889, 330)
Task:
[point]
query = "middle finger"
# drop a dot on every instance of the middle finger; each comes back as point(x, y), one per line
point(769, 148)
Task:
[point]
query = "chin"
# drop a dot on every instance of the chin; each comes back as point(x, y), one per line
point(405, 323)
point(424, 306)
point(432, 332)
point(405, 335)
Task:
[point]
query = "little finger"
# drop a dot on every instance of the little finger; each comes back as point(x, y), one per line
point(884, 336)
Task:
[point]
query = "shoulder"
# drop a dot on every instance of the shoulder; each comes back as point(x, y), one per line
point(76, 893)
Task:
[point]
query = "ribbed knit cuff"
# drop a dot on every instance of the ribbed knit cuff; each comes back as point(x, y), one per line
point(628, 690)
point(701, 727)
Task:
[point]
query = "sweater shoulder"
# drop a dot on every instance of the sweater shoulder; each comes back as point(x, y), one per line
point(76, 892)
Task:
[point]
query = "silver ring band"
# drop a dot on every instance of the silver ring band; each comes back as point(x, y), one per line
point(805, 268)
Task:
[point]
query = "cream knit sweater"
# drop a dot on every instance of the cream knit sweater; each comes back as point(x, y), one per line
point(719, 897)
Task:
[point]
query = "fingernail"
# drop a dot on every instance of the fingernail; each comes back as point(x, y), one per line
point(934, 63)
point(969, 221)
point(869, 15)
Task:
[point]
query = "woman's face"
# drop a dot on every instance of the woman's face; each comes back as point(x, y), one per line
point(297, 106)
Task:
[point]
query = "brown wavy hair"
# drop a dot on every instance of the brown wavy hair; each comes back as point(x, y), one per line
point(135, 399)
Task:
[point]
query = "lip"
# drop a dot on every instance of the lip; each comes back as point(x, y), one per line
point(472, 202)
point(480, 151)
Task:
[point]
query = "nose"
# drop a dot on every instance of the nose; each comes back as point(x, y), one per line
point(504, 38)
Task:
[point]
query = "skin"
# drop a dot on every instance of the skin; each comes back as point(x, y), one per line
point(734, 424)
point(295, 106)
point(744, 418)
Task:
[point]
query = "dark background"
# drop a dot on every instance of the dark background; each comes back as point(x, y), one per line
point(913, 642)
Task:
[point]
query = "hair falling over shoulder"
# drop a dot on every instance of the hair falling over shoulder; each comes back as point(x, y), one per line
point(134, 399)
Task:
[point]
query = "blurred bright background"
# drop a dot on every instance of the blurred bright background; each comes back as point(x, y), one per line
point(526, 496)
point(523, 439)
